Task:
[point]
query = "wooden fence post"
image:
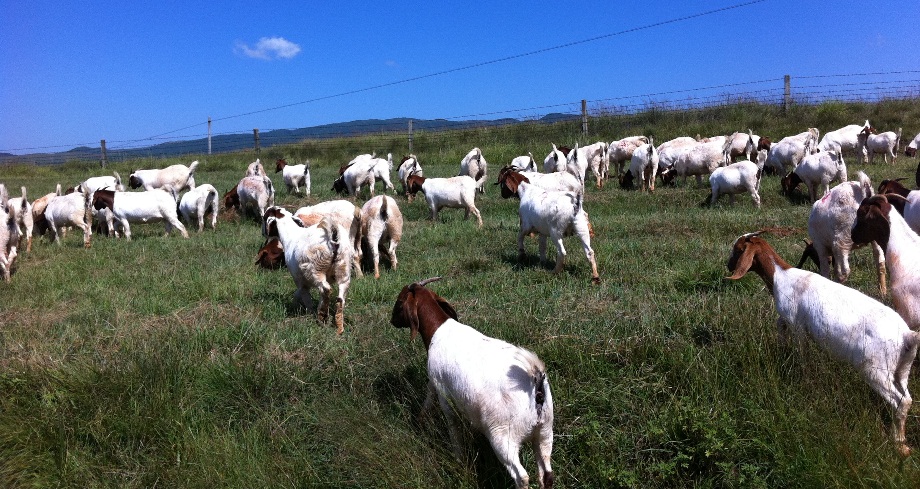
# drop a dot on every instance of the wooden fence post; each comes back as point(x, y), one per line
point(584, 118)
point(105, 159)
point(787, 94)
point(255, 134)
point(209, 135)
point(410, 136)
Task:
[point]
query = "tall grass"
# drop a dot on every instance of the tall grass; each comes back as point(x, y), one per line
point(166, 362)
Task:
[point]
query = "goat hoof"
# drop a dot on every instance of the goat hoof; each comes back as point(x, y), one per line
point(904, 450)
point(595, 280)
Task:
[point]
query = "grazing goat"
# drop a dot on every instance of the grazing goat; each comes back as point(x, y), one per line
point(500, 389)
point(524, 163)
point(294, 176)
point(550, 214)
point(911, 210)
point(409, 166)
point(251, 192)
point(9, 234)
point(911, 149)
point(92, 184)
point(559, 181)
point(455, 193)
point(474, 165)
point(846, 139)
point(879, 220)
point(700, 159)
point(789, 151)
point(255, 169)
point(140, 207)
point(314, 256)
point(381, 220)
point(816, 169)
point(644, 165)
point(595, 158)
point(25, 221)
point(619, 152)
point(885, 143)
point(829, 226)
point(669, 151)
point(744, 144)
point(849, 325)
point(358, 173)
point(179, 177)
point(343, 213)
point(736, 178)
point(197, 203)
point(73, 209)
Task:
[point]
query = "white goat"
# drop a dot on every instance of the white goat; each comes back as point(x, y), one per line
point(255, 169)
point(744, 144)
point(358, 173)
point(819, 169)
point(73, 209)
point(343, 213)
point(669, 151)
point(619, 152)
point(912, 146)
point(25, 221)
point(294, 176)
point(556, 160)
point(829, 226)
point(314, 255)
point(644, 165)
point(381, 220)
point(474, 165)
point(552, 215)
point(878, 221)
point(525, 163)
point(9, 234)
point(197, 203)
point(786, 154)
point(595, 158)
point(736, 178)
point(409, 165)
point(140, 207)
point(455, 193)
point(381, 169)
point(885, 143)
point(846, 139)
point(849, 325)
point(92, 184)
point(500, 389)
point(251, 192)
point(558, 181)
point(179, 177)
point(700, 159)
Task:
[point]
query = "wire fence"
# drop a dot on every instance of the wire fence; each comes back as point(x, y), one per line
point(809, 90)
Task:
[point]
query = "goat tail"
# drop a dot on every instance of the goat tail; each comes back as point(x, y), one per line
point(537, 372)
point(117, 179)
point(579, 197)
point(865, 183)
point(192, 167)
point(911, 340)
point(383, 210)
point(897, 142)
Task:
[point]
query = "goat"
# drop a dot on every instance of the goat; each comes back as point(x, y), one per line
point(179, 177)
point(381, 220)
point(786, 154)
point(524, 163)
point(550, 214)
point(255, 169)
point(358, 173)
point(73, 209)
point(251, 192)
point(744, 144)
point(814, 170)
point(700, 159)
point(294, 175)
point(911, 148)
point(197, 203)
point(409, 165)
point(733, 179)
point(9, 233)
point(619, 152)
point(314, 256)
point(271, 255)
point(475, 165)
point(595, 158)
point(669, 151)
point(149, 206)
point(879, 220)
point(885, 143)
point(455, 193)
point(644, 165)
point(829, 226)
point(502, 390)
point(343, 213)
point(556, 160)
point(22, 213)
point(846, 139)
point(559, 181)
point(911, 210)
point(849, 325)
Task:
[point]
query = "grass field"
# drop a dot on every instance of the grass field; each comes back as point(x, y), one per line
point(165, 362)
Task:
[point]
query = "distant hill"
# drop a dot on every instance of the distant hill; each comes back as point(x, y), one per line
point(235, 142)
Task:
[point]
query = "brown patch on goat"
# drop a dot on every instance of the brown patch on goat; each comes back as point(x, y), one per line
point(271, 255)
point(421, 310)
point(509, 180)
point(764, 143)
point(133, 181)
point(893, 187)
point(414, 184)
point(103, 199)
point(232, 199)
point(280, 164)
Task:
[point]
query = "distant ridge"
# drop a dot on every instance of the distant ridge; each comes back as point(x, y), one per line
point(234, 142)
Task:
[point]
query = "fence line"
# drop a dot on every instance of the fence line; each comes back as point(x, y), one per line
point(170, 144)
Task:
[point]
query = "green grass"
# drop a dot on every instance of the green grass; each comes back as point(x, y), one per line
point(166, 362)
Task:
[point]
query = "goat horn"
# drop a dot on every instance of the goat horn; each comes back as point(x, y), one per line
point(428, 281)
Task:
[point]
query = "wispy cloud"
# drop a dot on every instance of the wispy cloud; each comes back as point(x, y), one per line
point(269, 48)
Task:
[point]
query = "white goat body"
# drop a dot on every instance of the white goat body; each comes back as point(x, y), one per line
point(455, 193)
point(9, 234)
point(197, 203)
point(409, 166)
point(820, 169)
point(73, 209)
point(700, 159)
point(21, 209)
point(736, 178)
point(179, 177)
point(845, 139)
point(381, 220)
point(789, 151)
point(294, 176)
point(619, 152)
point(885, 143)
point(644, 165)
point(524, 163)
point(474, 165)
point(255, 169)
point(140, 207)
point(344, 214)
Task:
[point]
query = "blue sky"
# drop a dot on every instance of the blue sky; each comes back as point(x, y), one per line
point(73, 73)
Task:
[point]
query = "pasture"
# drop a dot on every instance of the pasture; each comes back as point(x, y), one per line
point(166, 362)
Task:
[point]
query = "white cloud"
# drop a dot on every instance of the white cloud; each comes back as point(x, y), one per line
point(269, 48)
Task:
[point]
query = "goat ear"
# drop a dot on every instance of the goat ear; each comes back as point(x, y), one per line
point(446, 307)
point(739, 265)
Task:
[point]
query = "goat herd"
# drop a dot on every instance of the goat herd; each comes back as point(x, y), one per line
point(502, 390)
